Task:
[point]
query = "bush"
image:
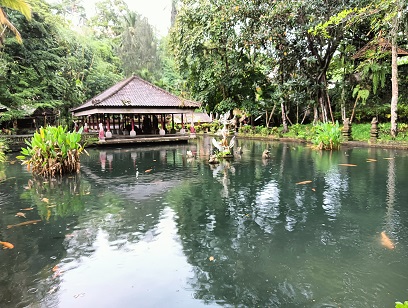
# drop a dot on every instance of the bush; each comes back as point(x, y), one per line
point(401, 305)
point(3, 148)
point(328, 136)
point(53, 151)
point(361, 131)
point(246, 129)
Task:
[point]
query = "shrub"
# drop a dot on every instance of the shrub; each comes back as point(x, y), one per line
point(361, 131)
point(401, 305)
point(53, 151)
point(328, 136)
point(3, 148)
point(245, 129)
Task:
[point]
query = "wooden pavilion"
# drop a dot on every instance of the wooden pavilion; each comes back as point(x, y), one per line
point(133, 107)
point(378, 45)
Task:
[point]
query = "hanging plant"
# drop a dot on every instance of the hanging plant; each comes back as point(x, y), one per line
point(53, 151)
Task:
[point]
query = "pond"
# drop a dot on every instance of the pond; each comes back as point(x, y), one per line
point(153, 227)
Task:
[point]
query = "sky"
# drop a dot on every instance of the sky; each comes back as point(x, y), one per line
point(158, 12)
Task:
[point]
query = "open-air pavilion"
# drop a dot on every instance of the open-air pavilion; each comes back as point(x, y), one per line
point(133, 107)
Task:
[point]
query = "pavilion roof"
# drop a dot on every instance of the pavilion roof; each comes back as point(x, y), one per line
point(380, 45)
point(133, 93)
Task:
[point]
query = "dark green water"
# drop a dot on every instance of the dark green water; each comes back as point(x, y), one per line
point(151, 227)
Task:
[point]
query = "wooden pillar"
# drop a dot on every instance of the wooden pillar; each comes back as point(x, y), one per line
point(113, 123)
point(108, 124)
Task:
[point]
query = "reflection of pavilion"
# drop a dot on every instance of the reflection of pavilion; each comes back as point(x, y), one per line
point(144, 179)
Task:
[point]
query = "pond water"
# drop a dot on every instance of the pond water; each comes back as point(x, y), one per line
point(152, 227)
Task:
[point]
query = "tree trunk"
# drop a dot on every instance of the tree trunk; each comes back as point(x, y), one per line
point(173, 12)
point(315, 115)
point(394, 78)
point(284, 122)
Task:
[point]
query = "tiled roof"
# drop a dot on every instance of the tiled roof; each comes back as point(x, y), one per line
point(136, 92)
point(381, 45)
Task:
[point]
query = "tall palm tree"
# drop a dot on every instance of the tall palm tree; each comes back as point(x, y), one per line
point(21, 6)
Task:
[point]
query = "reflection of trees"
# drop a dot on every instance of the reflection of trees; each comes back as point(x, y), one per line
point(74, 209)
point(243, 228)
point(274, 241)
point(57, 197)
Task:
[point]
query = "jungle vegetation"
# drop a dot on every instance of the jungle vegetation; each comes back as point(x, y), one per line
point(279, 63)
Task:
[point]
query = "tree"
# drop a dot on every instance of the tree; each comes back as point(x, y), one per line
point(212, 48)
point(385, 17)
point(108, 20)
point(228, 49)
point(21, 6)
point(138, 45)
point(56, 67)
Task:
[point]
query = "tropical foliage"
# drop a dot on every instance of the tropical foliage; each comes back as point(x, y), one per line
point(53, 151)
point(2, 150)
point(328, 136)
point(401, 305)
point(282, 63)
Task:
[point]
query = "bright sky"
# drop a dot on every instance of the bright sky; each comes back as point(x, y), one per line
point(158, 12)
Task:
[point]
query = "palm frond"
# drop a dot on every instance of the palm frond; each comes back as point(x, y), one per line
point(6, 24)
point(18, 5)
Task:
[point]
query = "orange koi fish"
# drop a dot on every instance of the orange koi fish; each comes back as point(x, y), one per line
point(386, 242)
point(304, 182)
point(24, 223)
point(7, 245)
point(20, 214)
point(148, 170)
point(348, 165)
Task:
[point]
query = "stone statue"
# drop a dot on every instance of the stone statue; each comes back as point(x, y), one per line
point(101, 132)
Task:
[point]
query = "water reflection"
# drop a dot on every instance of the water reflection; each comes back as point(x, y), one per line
point(336, 185)
point(158, 227)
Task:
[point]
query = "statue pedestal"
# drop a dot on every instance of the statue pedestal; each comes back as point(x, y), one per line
point(132, 133)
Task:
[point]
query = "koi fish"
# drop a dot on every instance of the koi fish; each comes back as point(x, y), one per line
point(24, 223)
point(370, 160)
point(386, 242)
point(20, 214)
point(348, 165)
point(304, 182)
point(148, 170)
point(7, 245)
point(28, 209)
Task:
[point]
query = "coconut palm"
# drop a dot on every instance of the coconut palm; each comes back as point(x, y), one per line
point(21, 6)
